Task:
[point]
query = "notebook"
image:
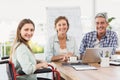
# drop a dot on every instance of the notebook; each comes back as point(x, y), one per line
point(84, 67)
point(80, 66)
point(92, 55)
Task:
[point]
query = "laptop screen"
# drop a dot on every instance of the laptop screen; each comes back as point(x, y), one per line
point(92, 55)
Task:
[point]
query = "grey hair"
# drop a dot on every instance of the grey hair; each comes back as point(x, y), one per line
point(103, 15)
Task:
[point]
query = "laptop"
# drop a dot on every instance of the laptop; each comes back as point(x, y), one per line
point(93, 55)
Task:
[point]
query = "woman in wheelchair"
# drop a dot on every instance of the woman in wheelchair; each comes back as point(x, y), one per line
point(21, 54)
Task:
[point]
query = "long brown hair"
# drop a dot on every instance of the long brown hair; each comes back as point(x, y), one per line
point(19, 38)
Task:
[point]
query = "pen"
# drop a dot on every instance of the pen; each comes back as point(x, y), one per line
point(101, 54)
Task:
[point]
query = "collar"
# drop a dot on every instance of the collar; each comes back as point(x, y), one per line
point(56, 38)
point(105, 36)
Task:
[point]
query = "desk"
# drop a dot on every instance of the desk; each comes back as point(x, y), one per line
point(108, 73)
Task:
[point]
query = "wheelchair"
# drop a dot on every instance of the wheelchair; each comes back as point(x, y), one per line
point(12, 74)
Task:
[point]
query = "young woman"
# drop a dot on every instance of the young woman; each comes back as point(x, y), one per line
point(21, 53)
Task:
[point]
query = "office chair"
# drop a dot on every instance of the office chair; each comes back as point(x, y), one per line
point(12, 74)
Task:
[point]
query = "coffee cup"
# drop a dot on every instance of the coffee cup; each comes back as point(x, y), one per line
point(105, 62)
point(72, 59)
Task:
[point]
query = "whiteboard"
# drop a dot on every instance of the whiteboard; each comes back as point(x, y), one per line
point(73, 15)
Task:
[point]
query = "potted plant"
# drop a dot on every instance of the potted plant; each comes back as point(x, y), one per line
point(109, 20)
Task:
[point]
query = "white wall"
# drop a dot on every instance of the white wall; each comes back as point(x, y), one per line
point(12, 11)
point(17, 9)
point(112, 9)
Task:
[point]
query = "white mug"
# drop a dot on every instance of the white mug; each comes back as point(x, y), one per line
point(72, 59)
point(105, 62)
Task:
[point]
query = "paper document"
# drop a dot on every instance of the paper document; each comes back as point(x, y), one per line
point(84, 67)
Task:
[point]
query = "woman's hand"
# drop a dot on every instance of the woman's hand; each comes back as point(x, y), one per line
point(62, 57)
point(66, 56)
point(42, 64)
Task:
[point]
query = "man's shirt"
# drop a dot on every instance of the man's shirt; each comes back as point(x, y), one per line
point(89, 41)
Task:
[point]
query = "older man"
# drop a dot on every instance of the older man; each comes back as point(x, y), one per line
point(102, 37)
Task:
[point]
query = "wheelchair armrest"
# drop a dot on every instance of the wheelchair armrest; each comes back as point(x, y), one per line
point(44, 70)
point(6, 57)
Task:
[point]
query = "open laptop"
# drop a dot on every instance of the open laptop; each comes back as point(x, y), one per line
point(92, 55)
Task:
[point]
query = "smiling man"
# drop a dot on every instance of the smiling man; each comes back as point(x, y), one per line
point(102, 37)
